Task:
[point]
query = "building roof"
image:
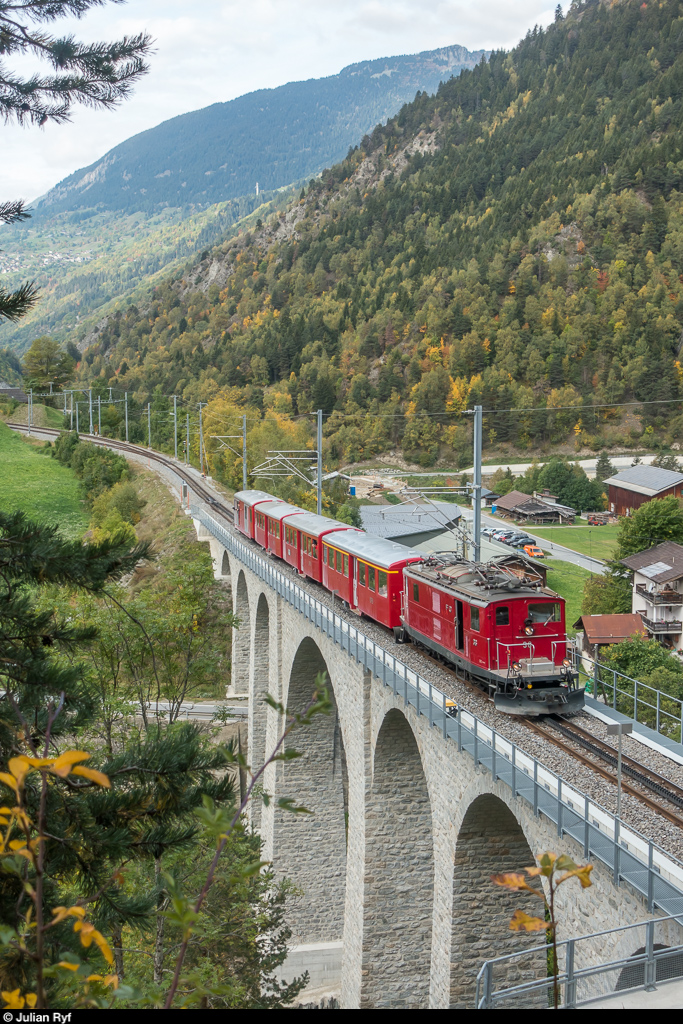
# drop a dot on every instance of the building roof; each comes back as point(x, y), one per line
point(7, 391)
point(610, 629)
point(375, 550)
point(529, 504)
point(648, 480)
point(660, 564)
point(409, 520)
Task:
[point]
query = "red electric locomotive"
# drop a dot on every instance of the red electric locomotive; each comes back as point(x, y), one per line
point(504, 632)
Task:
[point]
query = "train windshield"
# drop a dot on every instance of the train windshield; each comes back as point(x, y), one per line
point(549, 611)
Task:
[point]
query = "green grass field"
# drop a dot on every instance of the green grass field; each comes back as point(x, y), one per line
point(43, 416)
point(39, 485)
point(595, 541)
point(568, 581)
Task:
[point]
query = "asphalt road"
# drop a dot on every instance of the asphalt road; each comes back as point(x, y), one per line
point(559, 551)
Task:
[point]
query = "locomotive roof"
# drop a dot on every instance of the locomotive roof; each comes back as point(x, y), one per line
point(252, 497)
point(316, 525)
point(277, 509)
point(375, 550)
point(483, 583)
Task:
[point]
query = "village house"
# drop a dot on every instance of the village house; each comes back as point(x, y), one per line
point(536, 508)
point(598, 631)
point(657, 594)
point(636, 485)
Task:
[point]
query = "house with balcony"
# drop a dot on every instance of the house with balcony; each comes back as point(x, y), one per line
point(658, 591)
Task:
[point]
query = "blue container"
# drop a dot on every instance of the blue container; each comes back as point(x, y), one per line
point(352, 490)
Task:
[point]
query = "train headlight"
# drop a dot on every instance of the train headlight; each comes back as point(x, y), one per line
point(516, 667)
point(566, 663)
point(528, 631)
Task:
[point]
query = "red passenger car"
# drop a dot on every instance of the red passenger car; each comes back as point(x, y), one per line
point(244, 504)
point(268, 526)
point(302, 546)
point(367, 573)
point(504, 632)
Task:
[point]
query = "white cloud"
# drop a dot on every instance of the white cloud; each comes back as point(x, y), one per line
point(229, 47)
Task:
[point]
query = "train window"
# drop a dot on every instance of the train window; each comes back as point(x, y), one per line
point(339, 561)
point(474, 618)
point(330, 558)
point(314, 548)
point(416, 591)
point(346, 565)
point(361, 573)
point(382, 587)
point(371, 578)
point(502, 616)
point(436, 601)
point(549, 611)
point(276, 529)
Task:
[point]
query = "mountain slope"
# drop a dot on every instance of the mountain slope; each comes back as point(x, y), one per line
point(273, 137)
point(516, 240)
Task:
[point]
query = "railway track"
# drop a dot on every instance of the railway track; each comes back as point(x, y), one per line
point(593, 752)
point(600, 757)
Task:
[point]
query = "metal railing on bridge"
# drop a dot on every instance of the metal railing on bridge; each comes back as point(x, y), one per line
point(629, 855)
point(585, 976)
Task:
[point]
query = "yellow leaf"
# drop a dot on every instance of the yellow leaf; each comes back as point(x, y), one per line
point(19, 766)
point(62, 765)
point(582, 873)
point(514, 880)
point(67, 966)
point(521, 922)
point(9, 780)
point(91, 773)
point(17, 844)
point(13, 1000)
point(31, 999)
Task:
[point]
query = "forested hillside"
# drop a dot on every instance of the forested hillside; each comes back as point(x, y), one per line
point(164, 195)
point(516, 240)
point(273, 137)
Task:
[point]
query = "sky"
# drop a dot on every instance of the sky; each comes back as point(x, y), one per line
point(214, 50)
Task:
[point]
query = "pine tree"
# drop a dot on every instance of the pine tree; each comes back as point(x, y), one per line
point(603, 466)
point(94, 74)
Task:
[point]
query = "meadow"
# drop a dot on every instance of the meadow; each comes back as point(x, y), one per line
point(568, 581)
point(39, 485)
point(594, 541)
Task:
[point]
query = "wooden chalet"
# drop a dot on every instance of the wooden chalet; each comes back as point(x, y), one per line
point(531, 508)
point(637, 485)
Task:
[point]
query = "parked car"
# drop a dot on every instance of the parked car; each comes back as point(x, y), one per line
point(533, 551)
point(520, 542)
point(488, 531)
point(501, 534)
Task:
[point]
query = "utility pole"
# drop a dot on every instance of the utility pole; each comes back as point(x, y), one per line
point(187, 443)
point(201, 440)
point(72, 410)
point(125, 399)
point(149, 425)
point(619, 729)
point(90, 406)
point(110, 396)
point(65, 405)
point(476, 497)
point(77, 430)
point(99, 415)
point(175, 426)
point(29, 409)
point(244, 453)
point(320, 462)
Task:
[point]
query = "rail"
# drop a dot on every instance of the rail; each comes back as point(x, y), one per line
point(583, 980)
point(628, 854)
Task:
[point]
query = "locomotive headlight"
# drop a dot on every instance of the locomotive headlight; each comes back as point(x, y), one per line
point(516, 667)
point(566, 663)
point(528, 631)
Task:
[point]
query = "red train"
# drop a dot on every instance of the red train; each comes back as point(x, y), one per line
point(503, 631)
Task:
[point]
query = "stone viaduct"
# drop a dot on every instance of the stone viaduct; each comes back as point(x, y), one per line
point(396, 908)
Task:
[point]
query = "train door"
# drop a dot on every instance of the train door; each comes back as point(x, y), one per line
point(459, 627)
point(355, 582)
